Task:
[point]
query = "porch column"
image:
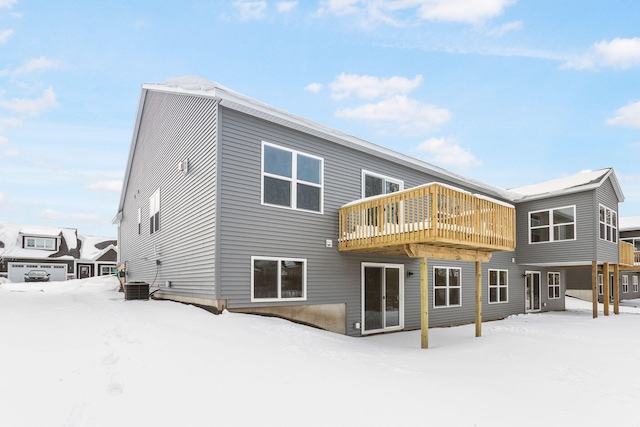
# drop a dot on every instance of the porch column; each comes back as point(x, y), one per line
point(605, 283)
point(478, 299)
point(616, 289)
point(424, 303)
point(594, 288)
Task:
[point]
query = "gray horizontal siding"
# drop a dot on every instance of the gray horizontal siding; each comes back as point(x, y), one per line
point(173, 128)
point(606, 251)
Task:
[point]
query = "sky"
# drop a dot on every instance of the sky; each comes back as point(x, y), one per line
point(508, 92)
point(76, 354)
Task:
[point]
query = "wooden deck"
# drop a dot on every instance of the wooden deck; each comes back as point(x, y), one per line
point(628, 256)
point(433, 216)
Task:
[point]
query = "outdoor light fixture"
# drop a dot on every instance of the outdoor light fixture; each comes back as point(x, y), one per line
point(409, 273)
point(183, 166)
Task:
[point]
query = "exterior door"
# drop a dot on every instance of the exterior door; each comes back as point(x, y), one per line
point(382, 291)
point(532, 291)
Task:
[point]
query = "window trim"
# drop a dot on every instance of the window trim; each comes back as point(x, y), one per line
point(279, 260)
point(447, 287)
point(625, 284)
point(553, 286)
point(497, 286)
point(113, 268)
point(600, 284)
point(614, 229)
point(293, 203)
point(154, 212)
point(45, 240)
point(634, 283)
point(139, 220)
point(378, 175)
point(551, 225)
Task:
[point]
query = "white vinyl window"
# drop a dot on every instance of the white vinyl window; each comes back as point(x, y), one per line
point(634, 283)
point(600, 284)
point(552, 225)
point(48, 244)
point(498, 286)
point(278, 279)
point(292, 179)
point(154, 212)
point(625, 284)
point(553, 281)
point(608, 224)
point(139, 220)
point(374, 184)
point(447, 289)
point(108, 270)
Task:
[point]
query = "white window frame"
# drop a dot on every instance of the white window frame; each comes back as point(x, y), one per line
point(40, 243)
point(498, 286)
point(383, 177)
point(554, 286)
point(447, 287)
point(293, 179)
point(111, 270)
point(154, 212)
point(634, 283)
point(600, 284)
point(611, 228)
point(552, 225)
point(139, 220)
point(280, 260)
point(625, 284)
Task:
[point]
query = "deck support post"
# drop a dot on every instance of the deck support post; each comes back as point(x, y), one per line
point(424, 303)
point(616, 289)
point(607, 292)
point(478, 299)
point(594, 288)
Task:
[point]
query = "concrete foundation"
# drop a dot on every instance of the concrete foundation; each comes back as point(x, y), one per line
point(331, 317)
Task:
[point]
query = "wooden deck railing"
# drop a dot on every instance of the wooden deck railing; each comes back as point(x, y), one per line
point(434, 214)
point(627, 255)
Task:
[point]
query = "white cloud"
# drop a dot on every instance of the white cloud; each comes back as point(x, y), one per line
point(314, 87)
point(505, 28)
point(111, 186)
point(446, 152)
point(9, 152)
point(617, 53)
point(375, 11)
point(10, 122)
point(286, 6)
point(7, 4)
point(629, 116)
point(2, 197)
point(41, 63)
point(369, 87)
point(251, 9)
point(411, 116)
point(4, 140)
point(31, 107)
point(55, 215)
point(4, 36)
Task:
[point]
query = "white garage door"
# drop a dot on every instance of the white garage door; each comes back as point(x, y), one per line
point(17, 270)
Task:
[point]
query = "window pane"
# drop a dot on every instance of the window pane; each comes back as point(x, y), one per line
point(292, 279)
point(562, 216)
point(440, 296)
point(454, 277)
point(308, 197)
point(493, 277)
point(563, 232)
point(539, 219)
point(277, 161)
point(503, 277)
point(493, 295)
point(372, 186)
point(540, 235)
point(614, 219)
point(603, 233)
point(601, 214)
point(265, 279)
point(308, 169)
point(454, 296)
point(503, 294)
point(277, 191)
point(441, 277)
point(392, 187)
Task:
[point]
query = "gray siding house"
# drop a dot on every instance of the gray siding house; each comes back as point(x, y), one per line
point(230, 203)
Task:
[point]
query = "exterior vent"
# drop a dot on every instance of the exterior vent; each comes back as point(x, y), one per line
point(136, 290)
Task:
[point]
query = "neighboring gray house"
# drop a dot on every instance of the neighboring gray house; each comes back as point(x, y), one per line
point(233, 204)
point(630, 233)
point(59, 251)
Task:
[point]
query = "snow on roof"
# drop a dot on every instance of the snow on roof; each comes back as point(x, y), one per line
point(581, 181)
point(630, 223)
point(41, 231)
point(90, 249)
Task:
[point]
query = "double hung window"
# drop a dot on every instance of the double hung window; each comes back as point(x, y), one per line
point(552, 225)
point(278, 279)
point(608, 224)
point(625, 284)
point(374, 184)
point(154, 212)
point(634, 281)
point(498, 287)
point(554, 285)
point(45, 243)
point(291, 179)
point(447, 287)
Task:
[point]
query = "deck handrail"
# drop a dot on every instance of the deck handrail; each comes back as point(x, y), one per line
point(628, 256)
point(432, 213)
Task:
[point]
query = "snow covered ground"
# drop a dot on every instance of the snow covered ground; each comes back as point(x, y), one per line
point(77, 354)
